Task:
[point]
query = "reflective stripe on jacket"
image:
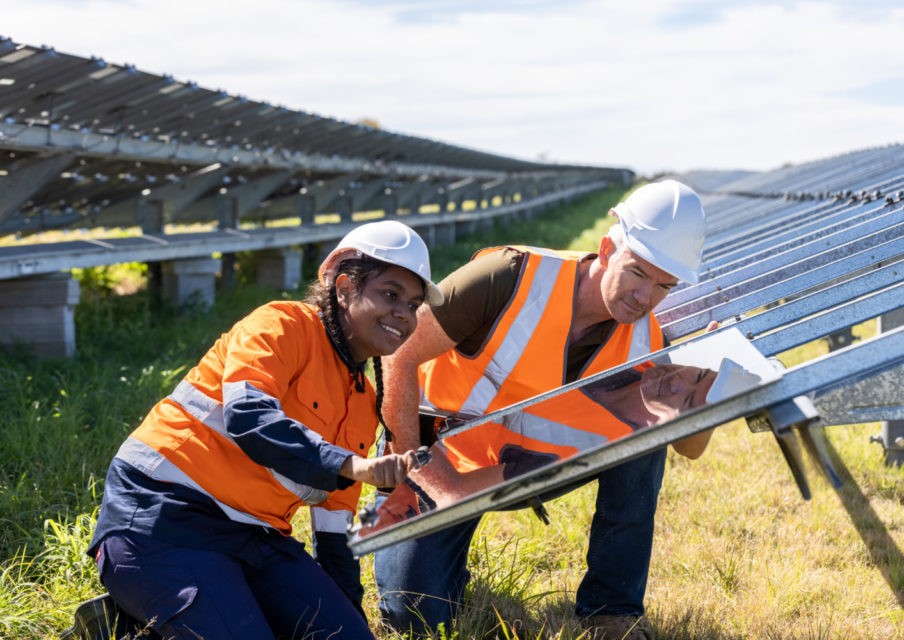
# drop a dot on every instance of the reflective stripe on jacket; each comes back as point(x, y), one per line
point(524, 355)
point(277, 363)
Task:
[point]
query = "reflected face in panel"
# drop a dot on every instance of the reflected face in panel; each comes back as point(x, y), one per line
point(670, 389)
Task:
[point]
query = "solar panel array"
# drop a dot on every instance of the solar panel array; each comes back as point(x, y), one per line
point(83, 142)
point(842, 185)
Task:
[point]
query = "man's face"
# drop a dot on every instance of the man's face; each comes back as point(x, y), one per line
point(632, 287)
point(669, 389)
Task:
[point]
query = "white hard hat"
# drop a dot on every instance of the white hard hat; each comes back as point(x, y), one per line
point(664, 224)
point(387, 241)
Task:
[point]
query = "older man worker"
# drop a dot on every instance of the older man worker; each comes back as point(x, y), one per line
point(518, 322)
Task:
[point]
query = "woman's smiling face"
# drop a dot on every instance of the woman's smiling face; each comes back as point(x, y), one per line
point(378, 316)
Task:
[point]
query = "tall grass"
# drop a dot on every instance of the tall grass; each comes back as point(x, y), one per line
point(738, 554)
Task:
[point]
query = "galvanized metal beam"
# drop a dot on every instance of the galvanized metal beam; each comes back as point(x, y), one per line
point(819, 377)
point(26, 178)
point(21, 260)
point(768, 268)
point(173, 197)
point(783, 282)
point(27, 138)
point(248, 196)
point(874, 399)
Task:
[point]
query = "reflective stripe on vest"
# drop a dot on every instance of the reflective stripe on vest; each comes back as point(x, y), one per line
point(512, 345)
point(640, 339)
point(330, 521)
point(562, 425)
point(155, 465)
point(555, 433)
point(209, 412)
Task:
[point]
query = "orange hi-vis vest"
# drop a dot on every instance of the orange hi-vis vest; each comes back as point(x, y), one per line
point(280, 350)
point(525, 355)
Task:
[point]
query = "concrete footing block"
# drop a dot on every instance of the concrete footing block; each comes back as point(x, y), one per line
point(37, 313)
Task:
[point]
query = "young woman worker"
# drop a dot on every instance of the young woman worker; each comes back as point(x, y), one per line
point(193, 535)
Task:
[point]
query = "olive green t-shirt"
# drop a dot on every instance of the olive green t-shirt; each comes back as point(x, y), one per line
point(477, 294)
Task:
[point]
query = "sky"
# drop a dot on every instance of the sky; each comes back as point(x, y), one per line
point(654, 85)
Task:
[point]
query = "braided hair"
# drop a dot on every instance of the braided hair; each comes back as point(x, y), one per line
point(324, 297)
point(378, 378)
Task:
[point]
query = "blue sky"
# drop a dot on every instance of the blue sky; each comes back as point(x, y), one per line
point(655, 86)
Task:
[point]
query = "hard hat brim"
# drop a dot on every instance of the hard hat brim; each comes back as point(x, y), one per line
point(680, 271)
point(433, 296)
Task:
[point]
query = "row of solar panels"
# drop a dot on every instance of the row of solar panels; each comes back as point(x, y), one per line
point(808, 210)
point(88, 143)
point(864, 178)
point(66, 92)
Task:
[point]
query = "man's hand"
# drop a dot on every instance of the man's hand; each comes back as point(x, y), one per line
point(385, 471)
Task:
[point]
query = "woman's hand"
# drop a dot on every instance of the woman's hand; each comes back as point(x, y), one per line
point(385, 471)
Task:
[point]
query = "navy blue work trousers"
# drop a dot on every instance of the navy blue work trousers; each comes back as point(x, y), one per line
point(194, 593)
point(422, 582)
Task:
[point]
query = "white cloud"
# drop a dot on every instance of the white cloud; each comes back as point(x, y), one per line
point(656, 85)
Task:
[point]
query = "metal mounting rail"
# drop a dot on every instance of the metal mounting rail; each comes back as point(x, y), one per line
point(731, 233)
point(838, 293)
point(736, 301)
point(827, 322)
point(798, 231)
point(802, 241)
point(32, 259)
point(779, 267)
point(822, 376)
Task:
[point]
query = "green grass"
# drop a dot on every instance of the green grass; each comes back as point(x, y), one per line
point(738, 554)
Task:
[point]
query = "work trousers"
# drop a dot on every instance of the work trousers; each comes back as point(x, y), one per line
point(421, 582)
point(189, 593)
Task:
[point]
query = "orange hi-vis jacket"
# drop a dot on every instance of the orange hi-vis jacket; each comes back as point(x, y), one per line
point(278, 363)
point(524, 355)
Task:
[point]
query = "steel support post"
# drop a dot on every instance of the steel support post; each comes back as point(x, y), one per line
point(892, 435)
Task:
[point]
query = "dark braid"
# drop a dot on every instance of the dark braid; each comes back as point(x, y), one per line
point(378, 378)
point(340, 341)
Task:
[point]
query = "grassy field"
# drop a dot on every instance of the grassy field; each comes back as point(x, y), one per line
point(738, 554)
